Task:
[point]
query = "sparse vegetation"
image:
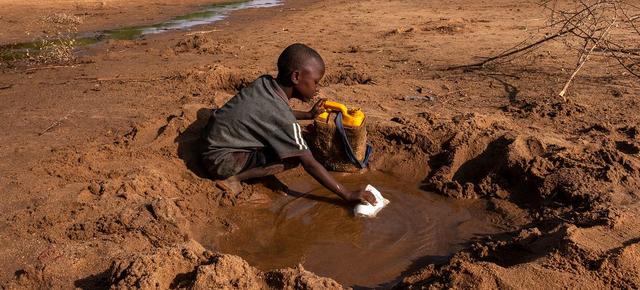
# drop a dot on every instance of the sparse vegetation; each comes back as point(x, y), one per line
point(56, 47)
point(59, 42)
point(606, 28)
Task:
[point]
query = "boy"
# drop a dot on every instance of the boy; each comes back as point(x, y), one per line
point(256, 133)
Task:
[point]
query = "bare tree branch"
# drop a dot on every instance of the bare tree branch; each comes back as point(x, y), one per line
point(583, 59)
point(605, 27)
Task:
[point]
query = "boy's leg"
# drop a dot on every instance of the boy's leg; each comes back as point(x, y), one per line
point(232, 184)
point(257, 172)
point(256, 167)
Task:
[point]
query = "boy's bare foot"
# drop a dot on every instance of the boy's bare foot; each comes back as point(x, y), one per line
point(231, 185)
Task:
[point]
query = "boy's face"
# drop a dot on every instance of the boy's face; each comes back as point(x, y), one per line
point(306, 81)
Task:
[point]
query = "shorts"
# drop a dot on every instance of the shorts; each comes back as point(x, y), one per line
point(223, 166)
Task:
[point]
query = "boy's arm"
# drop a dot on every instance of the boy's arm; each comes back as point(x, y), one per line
point(317, 109)
point(319, 173)
point(302, 115)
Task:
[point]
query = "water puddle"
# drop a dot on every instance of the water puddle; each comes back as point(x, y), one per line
point(320, 233)
point(207, 15)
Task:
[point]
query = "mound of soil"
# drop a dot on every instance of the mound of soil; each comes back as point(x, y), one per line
point(190, 266)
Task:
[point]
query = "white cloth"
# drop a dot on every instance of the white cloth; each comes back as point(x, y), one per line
point(366, 209)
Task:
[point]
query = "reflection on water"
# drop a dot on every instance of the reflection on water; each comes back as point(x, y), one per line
point(328, 240)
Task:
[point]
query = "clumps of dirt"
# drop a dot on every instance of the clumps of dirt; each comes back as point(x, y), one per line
point(407, 135)
point(547, 108)
point(190, 266)
point(628, 147)
point(347, 76)
point(299, 278)
point(485, 158)
point(399, 31)
point(627, 258)
point(199, 43)
point(630, 132)
point(143, 204)
point(204, 80)
point(161, 268)
point(445, 26)
point(531, 257)
point(488, 156)
point(457, 169)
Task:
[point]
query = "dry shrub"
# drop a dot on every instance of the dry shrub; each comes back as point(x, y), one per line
point(59, 42)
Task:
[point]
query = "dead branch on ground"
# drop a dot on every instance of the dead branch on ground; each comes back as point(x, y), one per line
point(606, 28)
point(55, 124)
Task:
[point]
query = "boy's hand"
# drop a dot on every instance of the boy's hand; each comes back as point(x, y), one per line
point(318, 108)
point(364, 196)
point(320, 174)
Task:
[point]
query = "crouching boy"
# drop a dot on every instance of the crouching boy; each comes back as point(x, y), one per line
point(256, 132)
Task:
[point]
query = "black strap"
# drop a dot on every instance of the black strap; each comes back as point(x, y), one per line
point(347, 147)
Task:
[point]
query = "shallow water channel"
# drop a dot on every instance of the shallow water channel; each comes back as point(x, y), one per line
point(206, 15)
point(322, 234)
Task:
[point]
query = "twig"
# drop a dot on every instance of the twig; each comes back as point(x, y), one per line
point(55, 124)
point(4, 87)
point(583, 61)
point(623, 64)
point(537, 43)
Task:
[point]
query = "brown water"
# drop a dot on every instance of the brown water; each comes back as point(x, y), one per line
point(319, 232)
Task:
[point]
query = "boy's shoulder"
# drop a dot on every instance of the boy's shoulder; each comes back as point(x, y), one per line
point(260, 99)
point(264, 91)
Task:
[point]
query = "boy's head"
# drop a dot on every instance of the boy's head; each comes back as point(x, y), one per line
point(301, 68)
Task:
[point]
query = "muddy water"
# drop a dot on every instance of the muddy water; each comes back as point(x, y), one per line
point(317, 231)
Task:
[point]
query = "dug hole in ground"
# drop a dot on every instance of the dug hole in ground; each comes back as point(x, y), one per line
point(494, 181)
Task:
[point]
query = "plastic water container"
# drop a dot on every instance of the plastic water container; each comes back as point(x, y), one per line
point(350, 117)
point(326, 141)
point(366, 209)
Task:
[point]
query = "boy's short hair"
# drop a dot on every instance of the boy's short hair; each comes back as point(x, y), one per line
point(294, 57)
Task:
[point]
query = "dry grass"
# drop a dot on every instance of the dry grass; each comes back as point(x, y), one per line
point(59, 42)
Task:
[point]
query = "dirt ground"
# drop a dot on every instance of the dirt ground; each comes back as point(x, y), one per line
point(101, 186)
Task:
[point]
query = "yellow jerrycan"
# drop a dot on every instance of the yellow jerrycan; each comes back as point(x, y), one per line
point(350, 118)
point(340, 144)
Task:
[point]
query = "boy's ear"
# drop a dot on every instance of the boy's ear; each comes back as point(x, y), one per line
point(295, 77)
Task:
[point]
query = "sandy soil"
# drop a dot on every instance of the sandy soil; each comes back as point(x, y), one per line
point(100, 185)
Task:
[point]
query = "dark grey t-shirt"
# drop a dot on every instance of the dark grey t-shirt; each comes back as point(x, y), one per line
point(258, 117)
